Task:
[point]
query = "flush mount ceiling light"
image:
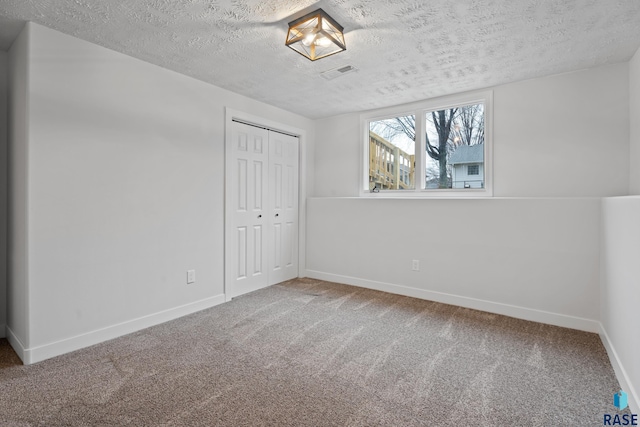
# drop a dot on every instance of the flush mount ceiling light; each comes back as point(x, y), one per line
point(316, 35)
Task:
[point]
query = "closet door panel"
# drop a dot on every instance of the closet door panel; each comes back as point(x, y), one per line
point(283, 193)
point(247, 215)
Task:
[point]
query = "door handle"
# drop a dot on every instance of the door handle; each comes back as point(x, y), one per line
point(277, 214)
point(259, 216)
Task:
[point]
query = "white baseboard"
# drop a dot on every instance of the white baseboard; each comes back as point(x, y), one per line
point(524, 313)
point(47, 351)
point(16, 344)
point(621, 373)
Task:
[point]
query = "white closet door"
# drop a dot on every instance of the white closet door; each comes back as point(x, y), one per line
point(283, 206)
point(247, 214)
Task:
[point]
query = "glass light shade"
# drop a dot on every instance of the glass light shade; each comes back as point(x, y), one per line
point(315, 35)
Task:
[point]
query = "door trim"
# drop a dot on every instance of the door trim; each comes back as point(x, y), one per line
point(250, 119)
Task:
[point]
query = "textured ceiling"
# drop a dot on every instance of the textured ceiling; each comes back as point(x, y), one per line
point(404, 50)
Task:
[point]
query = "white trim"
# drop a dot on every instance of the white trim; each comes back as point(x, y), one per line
point(231, 114)
point(418, 109)
point(460, 193)
point(524, 313)
point(47, 351)
point(621, 373)
point(15, 342)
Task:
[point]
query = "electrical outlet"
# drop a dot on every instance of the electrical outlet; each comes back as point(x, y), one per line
point(191, 276)
point(415, 266)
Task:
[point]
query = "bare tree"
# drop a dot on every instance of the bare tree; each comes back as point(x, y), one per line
point(390, 128)
point(468, 128)
point(442, 120)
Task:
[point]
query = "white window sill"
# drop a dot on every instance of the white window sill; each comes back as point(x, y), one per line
point(430, 194)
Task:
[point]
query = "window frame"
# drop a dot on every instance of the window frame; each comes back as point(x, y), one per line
point(420, 109)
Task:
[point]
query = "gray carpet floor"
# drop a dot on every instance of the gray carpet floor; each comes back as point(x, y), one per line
point(314, 353)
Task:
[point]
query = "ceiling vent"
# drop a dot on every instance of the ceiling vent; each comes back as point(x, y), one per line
point(337, 72)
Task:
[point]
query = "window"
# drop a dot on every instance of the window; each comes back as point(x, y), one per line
point(391, 154)
point(440, 147)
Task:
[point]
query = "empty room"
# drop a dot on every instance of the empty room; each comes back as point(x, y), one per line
point(333, 213)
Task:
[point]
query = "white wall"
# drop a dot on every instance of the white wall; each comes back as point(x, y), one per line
point(17, 280)
point(530, 258)
point(620, 251)
point(563, 136)
point(337, 156)
point(634, 124)
point(126, 192)
point(621, 290)
point(4, 187)
point(539, 237)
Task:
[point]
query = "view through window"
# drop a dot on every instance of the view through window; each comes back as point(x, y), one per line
point(453, 144)
point(455, 147)
point(392, 151)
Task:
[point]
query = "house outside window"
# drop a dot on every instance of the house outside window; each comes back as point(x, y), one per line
point(466, 164)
